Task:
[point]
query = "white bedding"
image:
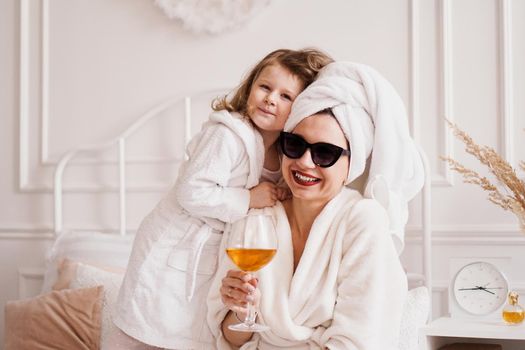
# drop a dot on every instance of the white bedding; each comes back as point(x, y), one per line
point(113, 251)
point(94, 248)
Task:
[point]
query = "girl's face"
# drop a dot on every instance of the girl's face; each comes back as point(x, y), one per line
point(271, 97)
point(306, 180)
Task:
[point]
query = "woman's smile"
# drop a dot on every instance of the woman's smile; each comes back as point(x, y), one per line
point(304, 179)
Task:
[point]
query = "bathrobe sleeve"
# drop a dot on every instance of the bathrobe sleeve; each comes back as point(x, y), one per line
point(211, 183)
point(371, 285)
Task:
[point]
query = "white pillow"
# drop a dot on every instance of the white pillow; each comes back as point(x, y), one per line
point(415, 315)
point(90, 276)
point(102, 249)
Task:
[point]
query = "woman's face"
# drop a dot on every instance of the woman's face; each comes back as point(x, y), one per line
point(306, 180)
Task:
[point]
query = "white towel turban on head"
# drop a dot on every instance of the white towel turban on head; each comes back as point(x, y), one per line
point(374, 121)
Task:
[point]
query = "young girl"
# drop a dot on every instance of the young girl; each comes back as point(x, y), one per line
point(162, 301)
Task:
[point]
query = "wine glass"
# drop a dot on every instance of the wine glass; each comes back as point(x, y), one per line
point(251, 245)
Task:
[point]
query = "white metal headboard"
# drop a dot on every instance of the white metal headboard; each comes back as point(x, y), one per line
point(426, 234)
point(120, 141)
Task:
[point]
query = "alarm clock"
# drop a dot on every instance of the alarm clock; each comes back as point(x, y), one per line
point(478, 289)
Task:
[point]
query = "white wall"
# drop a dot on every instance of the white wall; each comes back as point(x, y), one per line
point(77, 71)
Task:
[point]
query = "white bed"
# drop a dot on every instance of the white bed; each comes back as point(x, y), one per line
point(112, 250)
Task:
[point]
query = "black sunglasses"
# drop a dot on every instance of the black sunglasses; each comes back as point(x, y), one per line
point(323, 154)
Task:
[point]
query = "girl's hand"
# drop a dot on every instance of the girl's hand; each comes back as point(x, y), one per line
point(263, 195)
point(237, 289)
point(283, 193)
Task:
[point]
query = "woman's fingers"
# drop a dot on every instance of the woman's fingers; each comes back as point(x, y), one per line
point(242, 293)
point(241, 275)
point(232, 296)
point(238, 279)
point(237, 289)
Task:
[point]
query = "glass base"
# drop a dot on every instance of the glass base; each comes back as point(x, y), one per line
point(242, 327)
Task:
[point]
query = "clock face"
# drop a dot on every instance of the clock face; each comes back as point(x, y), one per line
point(480, 288)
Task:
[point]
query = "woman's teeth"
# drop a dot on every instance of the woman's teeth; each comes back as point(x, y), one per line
point(304, 178)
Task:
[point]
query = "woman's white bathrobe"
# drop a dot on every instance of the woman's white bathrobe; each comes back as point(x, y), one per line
point(347, 292)
point(175, 251)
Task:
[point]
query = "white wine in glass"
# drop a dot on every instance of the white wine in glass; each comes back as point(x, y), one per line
point(252, 244)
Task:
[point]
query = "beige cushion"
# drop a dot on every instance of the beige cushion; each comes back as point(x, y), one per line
point(65, 319)
point(73, 274)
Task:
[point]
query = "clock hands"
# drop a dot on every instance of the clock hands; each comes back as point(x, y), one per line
point(477, 288)
point(485, 289)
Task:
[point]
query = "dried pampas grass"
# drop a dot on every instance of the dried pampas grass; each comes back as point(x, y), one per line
point(513, 196)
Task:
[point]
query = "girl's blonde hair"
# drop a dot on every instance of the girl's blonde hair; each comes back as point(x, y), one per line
point(304, 64)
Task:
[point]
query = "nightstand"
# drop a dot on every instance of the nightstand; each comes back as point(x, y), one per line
point(447, 330)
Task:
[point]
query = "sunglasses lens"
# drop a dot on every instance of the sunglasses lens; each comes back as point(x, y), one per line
point(325, 155)
point(292, 145)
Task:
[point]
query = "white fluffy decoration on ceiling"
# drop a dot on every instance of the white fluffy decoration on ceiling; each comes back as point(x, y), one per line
point(211, 16)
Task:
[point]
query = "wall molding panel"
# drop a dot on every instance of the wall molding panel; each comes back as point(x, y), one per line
point(25, 276)
point(445, 177)
point(441, 234)
point(506, 83)
point(34, 106)
point(414, 70)
point(26, 234)
point(469, 240)
point(24, 94)
point(34, 156)
point(44, 138)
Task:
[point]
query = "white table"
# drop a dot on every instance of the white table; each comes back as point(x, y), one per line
point(446, 330)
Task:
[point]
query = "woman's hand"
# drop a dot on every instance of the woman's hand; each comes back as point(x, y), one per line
point(237, 289)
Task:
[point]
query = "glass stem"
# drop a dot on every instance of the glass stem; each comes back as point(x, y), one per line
point(251, 315)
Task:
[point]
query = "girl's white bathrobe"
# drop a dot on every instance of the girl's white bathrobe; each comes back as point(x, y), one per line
point(348, 290)
point(162, 301)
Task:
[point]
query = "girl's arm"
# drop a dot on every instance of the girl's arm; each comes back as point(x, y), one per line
point(206, 185)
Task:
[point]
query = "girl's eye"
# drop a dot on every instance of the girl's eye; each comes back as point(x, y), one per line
point(286, 97)
point(265, 87)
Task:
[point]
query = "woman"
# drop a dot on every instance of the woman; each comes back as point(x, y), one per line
point(336, 281)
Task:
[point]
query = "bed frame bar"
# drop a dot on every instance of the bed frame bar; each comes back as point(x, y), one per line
point(120, 142)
